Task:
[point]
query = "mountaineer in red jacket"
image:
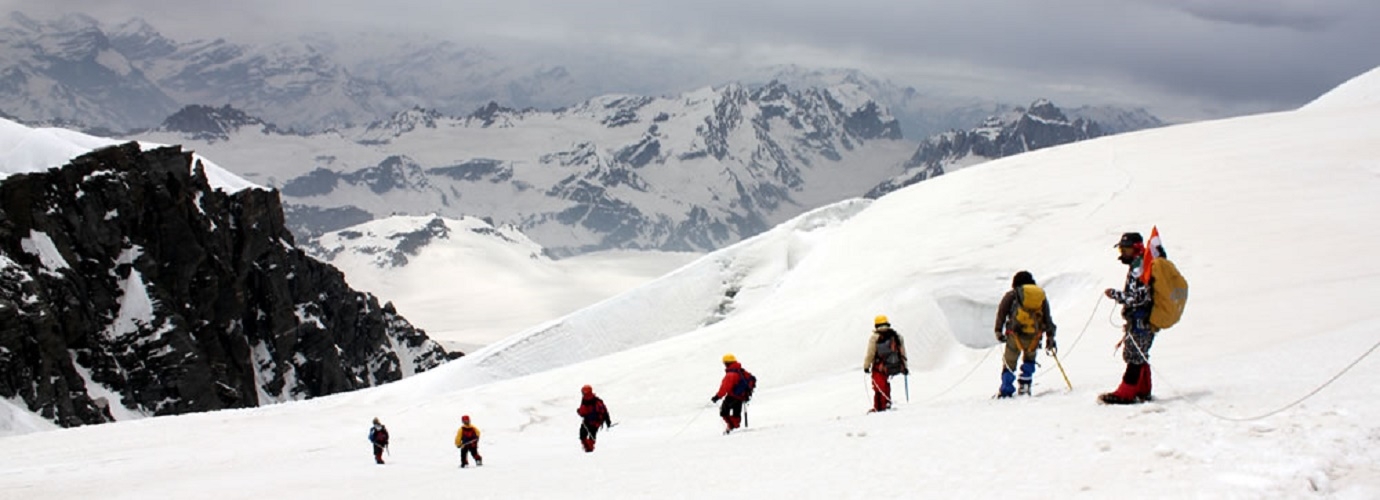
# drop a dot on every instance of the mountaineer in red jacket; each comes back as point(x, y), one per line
point(595, 415)
point(467, 440)
point(735, 390)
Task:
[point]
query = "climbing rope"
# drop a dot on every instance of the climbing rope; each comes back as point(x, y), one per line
point(1296, 402)
point(1086, 324)
point(1076, 340)
point(965, 377)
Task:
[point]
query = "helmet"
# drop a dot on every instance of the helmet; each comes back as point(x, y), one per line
point(587, 389)
point(1130, 240)
point(465, 419)
point(728, 358)
point(880, 320)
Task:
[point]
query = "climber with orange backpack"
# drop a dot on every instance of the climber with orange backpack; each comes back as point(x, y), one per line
point(1152, 299)
point(1022, 319)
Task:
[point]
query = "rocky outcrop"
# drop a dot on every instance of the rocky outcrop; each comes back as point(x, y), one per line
point(211, 124)
point(1040, 126)
point(128, 286)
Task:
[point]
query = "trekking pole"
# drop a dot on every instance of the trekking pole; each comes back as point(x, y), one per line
point(745, 421)
point(907, 377)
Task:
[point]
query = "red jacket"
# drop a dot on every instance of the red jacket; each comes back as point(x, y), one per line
point(594, 412)
point(731, 375)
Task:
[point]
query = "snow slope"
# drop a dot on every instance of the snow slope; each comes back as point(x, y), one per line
point(25, 149)
point(1268, 216)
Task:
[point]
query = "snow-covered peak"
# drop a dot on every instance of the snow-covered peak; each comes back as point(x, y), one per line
point(24, 149)
point(22, 23)
point(137, 40)
point(1362, 90)
point(390, 242)
point(402, 122)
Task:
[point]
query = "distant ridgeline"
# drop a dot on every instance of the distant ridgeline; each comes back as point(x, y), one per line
point(129, 287)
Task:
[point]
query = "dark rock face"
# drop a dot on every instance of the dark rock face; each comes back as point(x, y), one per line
point(211, 124)
point(1040, 126)
point(126, 281)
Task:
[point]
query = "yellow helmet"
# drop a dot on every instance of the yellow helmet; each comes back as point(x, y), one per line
point(728, 358)
point(880, 320)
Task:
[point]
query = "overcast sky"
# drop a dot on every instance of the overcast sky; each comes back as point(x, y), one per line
point(1182, 58)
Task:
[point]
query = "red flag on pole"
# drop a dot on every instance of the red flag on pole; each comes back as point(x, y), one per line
point(1153, 249)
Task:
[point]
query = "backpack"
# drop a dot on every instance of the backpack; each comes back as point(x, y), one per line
point(889, 355)
point(1169, 290)
point(378, 435)
point(595, 412)
point(746, 384)
point(1029, 314)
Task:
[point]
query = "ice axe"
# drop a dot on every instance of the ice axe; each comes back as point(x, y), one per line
point(1061, 370)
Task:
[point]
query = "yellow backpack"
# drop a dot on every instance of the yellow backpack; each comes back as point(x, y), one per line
point(1170, 291)
point(1029, 312)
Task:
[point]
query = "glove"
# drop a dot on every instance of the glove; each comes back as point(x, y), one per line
point(1109, 293)
point(1001, 337)
point(714, 399)
point(867, 370)
point(1050, 347)
point(905, 371)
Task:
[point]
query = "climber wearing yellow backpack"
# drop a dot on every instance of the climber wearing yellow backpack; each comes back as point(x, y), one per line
point(1022, 319)
point(1152, 299)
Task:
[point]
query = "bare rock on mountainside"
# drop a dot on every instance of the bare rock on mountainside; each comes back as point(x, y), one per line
point(128, 286)
point(1040, 126)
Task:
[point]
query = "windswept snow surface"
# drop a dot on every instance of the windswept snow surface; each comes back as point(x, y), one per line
point(25, 149)
point(1270, 217)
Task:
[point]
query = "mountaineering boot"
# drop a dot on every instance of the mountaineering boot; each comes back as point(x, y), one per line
point(478, 462)
point(1023, 389)
point(1143, 384)
point(1131, 384)
point(1008, 380)
point(1125, 394)
point(1027, 374)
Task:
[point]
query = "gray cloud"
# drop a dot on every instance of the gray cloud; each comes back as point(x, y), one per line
point(1194, 57)
point(1296, 15)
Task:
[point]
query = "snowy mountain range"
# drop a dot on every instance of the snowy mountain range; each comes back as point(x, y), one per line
point(77, 72)
point(684, 173)
point(1244, 407)
point(152, 282)
point(1020, 130)
point(923, 115)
